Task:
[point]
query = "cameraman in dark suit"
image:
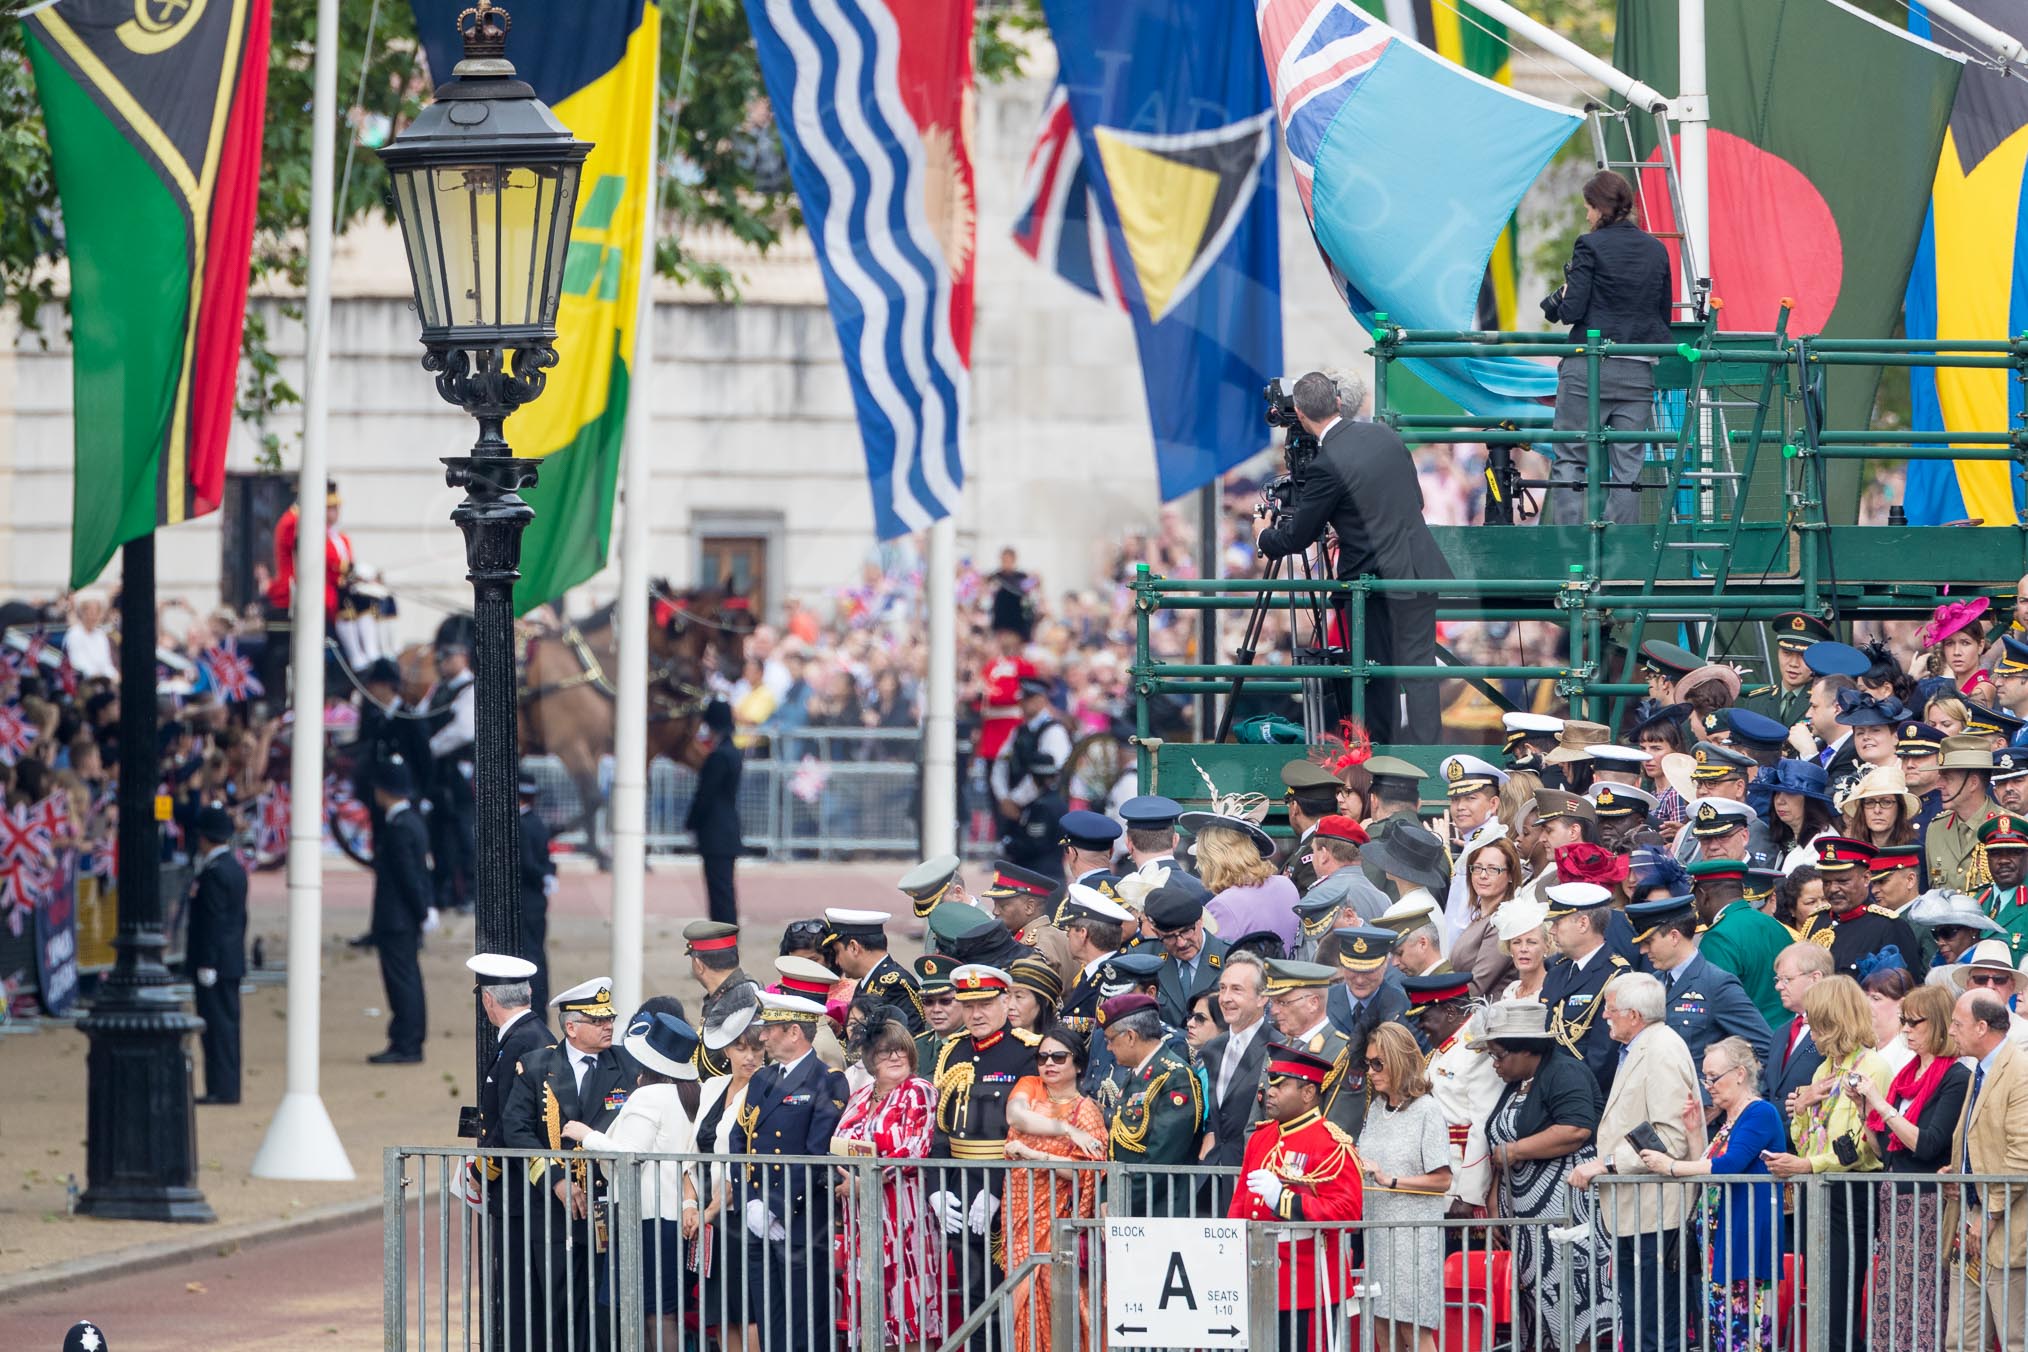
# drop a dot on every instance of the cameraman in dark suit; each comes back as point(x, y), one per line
point(1617, 281)
point(713, 819)
point(1363, 485)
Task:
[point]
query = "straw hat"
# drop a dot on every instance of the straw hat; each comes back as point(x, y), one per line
point(1882, 781)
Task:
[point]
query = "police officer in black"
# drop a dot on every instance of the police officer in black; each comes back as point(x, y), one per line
point(401, 902)
point(450, 710)
point(1034, 841)
point(216, 951)
point(538, 881)
point(506, 999)
point(794, 1104)
point(1041, 739)
point(1574, 987)
point(713, 818)
point(975, 1075)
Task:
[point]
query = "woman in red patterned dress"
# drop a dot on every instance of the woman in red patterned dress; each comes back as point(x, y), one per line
point(892, 1118)
point(1048, 1120)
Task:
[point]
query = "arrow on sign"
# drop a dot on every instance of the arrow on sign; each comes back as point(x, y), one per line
point(1124, 1329)
point(1229, 1333)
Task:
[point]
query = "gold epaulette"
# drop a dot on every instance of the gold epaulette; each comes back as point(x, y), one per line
point(1026, 1038)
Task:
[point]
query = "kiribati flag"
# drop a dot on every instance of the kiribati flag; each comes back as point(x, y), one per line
point(1171, 106)
point(872, 101)
point(154, 111)
point(1059, 223)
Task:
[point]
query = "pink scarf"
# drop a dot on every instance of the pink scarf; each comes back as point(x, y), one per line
point(1916, 1088)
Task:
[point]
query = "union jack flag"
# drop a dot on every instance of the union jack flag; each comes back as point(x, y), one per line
point(52, 814)
point(1059, 222)
point(1318, 52)
point(25, 860)
point(31, 656)
point(231, 672)
point(16, 736)
point(66, 676)
point(102, 859)
point(271, 821)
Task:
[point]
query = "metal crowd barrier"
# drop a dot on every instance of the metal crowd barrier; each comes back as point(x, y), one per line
point(985, 1255)
point(824, 792)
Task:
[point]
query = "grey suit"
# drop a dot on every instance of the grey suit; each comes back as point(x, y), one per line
point(1231, 1116)
point(1170, 987)
point(1706, 1004)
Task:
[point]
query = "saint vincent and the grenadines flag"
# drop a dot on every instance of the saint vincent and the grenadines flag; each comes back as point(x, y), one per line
point(154, 112)
point(594, 62)
point(1170, 106)
point(1970, 281)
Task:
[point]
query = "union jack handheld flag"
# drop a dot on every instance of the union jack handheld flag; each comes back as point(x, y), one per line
point(16, 736)
point(25, 859)
point(231, 672)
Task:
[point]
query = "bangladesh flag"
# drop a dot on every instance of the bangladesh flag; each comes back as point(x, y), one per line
point(154, 111)
point(1825, 130)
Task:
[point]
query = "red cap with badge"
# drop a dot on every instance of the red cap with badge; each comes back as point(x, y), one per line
point(1295, 1063)
point(1335, 827)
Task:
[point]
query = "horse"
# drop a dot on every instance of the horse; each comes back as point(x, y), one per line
point(566, 698)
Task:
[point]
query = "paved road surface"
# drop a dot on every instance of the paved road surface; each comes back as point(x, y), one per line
point(316, 1294)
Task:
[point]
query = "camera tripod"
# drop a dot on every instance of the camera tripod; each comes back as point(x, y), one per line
point(1256, 620)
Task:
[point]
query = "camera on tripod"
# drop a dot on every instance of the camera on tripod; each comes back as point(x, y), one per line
point(1299, 448)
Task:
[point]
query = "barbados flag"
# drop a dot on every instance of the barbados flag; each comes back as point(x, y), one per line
point(154, 113)
point(1970, 281)
point(1171, 109)
point(594, 62)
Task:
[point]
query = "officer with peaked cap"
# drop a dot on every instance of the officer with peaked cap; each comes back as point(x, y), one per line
point(794, 1104)
point(1084, 911)
point(856, 944)
point(1738, 936)
point(1025, 901)
point(578, 1078)
point(1151, 840)
point(967, 934)
point(713, 949)
point(1951, 844)
point(939, 1006)
point(1311, 794)
point(1087, 840)
point(2004, 838)
point(2010, 779)
point(1369, 990)
point(1702, 1001)
point(1663, 664)
point(1529, 737)
point(401, 904)
point(1612, 763)
point(1787, 699)
point(505, 998)
point(931, 883)
point(1298, 1002)
point(1394, 800)
point(1461, 1079)
point(1851, 926)
point(1622, 811)
point(2010, 675)
point(1191, 955)
point(1161, 1109)
point(975, 1075)
point(1575, 985)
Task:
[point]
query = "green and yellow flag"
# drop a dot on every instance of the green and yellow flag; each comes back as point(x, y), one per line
point(595, 63)
point(154, 112)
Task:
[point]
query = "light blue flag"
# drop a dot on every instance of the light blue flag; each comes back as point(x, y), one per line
point(1408, 205)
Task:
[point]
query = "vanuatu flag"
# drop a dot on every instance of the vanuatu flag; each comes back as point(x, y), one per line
point(154, 112)
point(1825, 128)
point(594, 63)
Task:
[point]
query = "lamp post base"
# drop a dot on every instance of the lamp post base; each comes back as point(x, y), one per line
point(141, 1141)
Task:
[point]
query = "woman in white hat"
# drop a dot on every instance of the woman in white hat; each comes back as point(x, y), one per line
point(656, 1120)
point(1523, 930)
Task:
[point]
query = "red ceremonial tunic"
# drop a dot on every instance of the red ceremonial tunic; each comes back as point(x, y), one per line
point(1319, 1170)
point(337, 564)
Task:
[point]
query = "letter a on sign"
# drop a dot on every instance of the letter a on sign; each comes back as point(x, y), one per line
point(1175, 1283)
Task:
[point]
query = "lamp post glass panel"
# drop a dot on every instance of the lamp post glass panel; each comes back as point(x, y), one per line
point(485, 184)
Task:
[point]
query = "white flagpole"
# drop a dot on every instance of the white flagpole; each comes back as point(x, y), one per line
point(940, 755)
point(301, 1142)
point(630, 707)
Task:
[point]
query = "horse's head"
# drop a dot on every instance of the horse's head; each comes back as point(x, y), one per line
point(687, 624)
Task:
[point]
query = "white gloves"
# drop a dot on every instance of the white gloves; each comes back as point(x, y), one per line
point(950, 1209)
point(984, 1208)
point(207, 976)
point(761, 1225)
point(549, 886)
point(1263, 1184)
point(431, 922)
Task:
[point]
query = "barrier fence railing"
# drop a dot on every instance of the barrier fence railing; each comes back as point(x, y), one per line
point(593, 1252)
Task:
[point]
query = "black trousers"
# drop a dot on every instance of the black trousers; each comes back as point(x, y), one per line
point(451, 845)
point(218, 1005)
point(1650, 1297)
point(401, 975)
point(1401, 631)
point(718, 890)
point(788, 1292)
point(534, 946)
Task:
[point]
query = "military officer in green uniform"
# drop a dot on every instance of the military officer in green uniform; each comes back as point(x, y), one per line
point(1395, 797)
point(1739, 937)
point(1787, 700)
point(1299, 995)
point(2005, 901)
point(713, 948)
point(1951, 844)
point(855, 942)
point(1310, 793)
point(962, 932)
point(939, 1006)
point(1161, 1110)
point(929, 885)
point(974, 1075)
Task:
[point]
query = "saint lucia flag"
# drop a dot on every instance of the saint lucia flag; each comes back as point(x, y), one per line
point(1970, 281)
point(594, 63)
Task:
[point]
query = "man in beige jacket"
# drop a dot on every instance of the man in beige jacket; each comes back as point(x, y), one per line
point(1989, 1273)
point(1656, 1087)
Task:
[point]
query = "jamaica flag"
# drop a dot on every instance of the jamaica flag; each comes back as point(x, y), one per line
point(594, 62)
point(154, 111)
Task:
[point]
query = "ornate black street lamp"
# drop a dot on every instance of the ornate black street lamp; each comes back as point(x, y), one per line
point(485, 186)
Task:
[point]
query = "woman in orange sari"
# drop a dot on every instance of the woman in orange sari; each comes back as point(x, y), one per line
point(1047, 1119)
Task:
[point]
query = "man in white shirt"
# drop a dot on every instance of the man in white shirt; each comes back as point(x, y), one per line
point(1237, 1063)
point(87, 643)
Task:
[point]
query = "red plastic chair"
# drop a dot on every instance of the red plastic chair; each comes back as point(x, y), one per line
point(1478, 1290)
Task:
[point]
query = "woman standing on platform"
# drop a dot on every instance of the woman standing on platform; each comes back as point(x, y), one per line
point(1617, 282)
point(1048, 1121)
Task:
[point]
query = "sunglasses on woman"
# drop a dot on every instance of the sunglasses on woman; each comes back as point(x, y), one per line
point(1915, 1022)
point(1052, 1058)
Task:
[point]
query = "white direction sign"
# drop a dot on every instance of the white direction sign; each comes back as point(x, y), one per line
point(1175, 1283)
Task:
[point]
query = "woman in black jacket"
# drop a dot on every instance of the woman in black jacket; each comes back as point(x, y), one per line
point(1617, 281)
